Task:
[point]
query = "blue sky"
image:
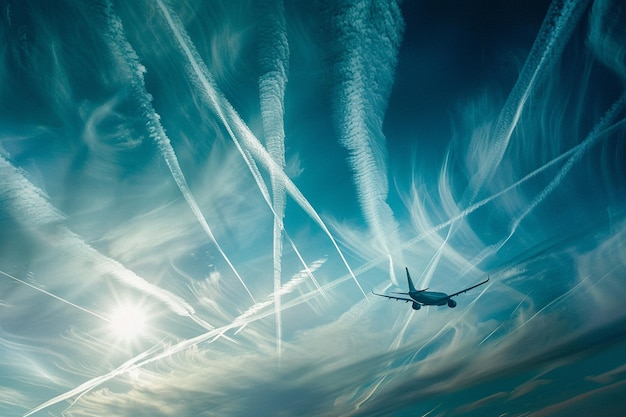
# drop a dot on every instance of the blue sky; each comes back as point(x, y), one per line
point(197, 199)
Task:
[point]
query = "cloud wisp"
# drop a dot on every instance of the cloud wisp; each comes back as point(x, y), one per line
point(29, 205)
point(561, 20)
point(132, 132)
point(238, 130)
point(135, 71)
point(160, 352)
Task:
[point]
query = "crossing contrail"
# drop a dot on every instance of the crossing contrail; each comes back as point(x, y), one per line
point(30, 206)
point(274, 62)
point(555, 31)
point(156, 131)
point(237, 129)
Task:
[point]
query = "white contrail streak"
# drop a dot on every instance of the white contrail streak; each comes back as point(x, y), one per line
point(30, 207)
point(556, 300)
point(502, 324)
point(56, 297)
point(200, 76)
point(554, 33)
point(371, 33)
point(274, 60)
point(288, 288)
point(135, 71)
point(603, 124)
point(424, 235)
point(250, 316)
point(556, 29)
point(253, 314)
point(591, 140)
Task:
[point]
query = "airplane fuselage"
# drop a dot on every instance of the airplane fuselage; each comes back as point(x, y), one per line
point(427, 298)
point(430, 298)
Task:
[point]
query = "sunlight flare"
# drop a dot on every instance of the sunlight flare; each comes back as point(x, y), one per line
point(128, 321)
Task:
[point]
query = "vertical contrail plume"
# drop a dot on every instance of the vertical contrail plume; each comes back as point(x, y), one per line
point(274, 62)
point(555, 31)
point(237, 129)
point(369, 35)
point(30, 207)
point(135, 71)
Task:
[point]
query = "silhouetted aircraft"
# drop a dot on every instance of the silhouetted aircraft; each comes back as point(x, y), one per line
point(421, 298)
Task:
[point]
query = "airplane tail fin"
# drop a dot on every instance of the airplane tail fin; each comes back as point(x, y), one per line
point(408, 277)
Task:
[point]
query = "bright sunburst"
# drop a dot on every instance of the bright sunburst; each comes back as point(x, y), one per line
point(128, 321)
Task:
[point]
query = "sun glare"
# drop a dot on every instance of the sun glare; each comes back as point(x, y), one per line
point(128, 321)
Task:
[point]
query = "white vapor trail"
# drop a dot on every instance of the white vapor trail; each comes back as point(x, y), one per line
point(554, 33)
point(253, 314)
point(289, 287)
point(236, 128)
point(602, 125)
point(591, 140)
point(135, 71)
point(556, 29)
point(371, 33)
point(30, 207)
point(56, 297)
point(274, 60)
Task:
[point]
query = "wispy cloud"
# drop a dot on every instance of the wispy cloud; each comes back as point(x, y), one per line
point(135, 73)
point(238, 130)
point(30, 207)
point(561, 20)
point(97, 206)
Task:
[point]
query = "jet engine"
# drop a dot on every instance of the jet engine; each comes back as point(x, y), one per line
point(451, 303)
point(416, 306)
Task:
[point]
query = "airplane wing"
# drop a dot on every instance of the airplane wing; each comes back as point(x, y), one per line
point(408, 300)
point(467, 289)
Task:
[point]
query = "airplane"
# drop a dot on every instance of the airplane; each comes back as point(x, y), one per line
point(423, 297)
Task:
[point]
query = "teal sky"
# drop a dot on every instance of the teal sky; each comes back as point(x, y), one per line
point(197, 199)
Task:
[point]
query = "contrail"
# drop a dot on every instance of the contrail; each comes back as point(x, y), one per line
point(434, 229)
point(555, 31)
point(41, 290)
point(30, 206)
point(370, 393)
point(502, 324)
point(135, 72)
point(250, 316)
point(602, 125)
point(200, 77)
point(586, 145)
point(370, 34)
point(274, 61)
point(253, 314)
point(556, 300)
point(288, 288)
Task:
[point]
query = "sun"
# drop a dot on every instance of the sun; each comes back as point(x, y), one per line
point(128, 321)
